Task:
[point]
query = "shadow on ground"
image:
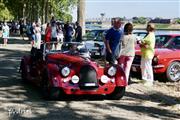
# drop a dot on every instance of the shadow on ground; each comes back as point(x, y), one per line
point(15, 40)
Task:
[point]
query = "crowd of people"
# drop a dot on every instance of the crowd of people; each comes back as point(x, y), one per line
point(55, 31)
point(52, 31)
point(120, 47)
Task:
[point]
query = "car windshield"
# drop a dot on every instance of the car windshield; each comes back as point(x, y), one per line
point(161, 40)
point(73, 46)
point(55, 47)
point(91, 34)
point(96, 35)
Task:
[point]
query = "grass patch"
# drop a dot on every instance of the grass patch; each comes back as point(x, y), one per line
point(162, 26)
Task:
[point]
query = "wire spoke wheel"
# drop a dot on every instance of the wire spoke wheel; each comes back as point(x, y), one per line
point(173, 72)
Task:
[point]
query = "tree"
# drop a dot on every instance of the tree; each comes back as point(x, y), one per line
point(139, 20)
point(142, 20)
point(35, 9)
point(5, 13)
point(81, 14)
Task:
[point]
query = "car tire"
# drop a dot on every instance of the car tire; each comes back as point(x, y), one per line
point(23, 72)
point(117, 94)
point(173, 72)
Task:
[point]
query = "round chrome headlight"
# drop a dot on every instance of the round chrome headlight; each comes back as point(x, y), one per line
point(75, 79)
point(65, 71)
point(104, 79)
point(112, 71)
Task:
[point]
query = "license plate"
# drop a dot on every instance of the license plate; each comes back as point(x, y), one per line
point(97, 53)
point(89, 84)
point(134, 69)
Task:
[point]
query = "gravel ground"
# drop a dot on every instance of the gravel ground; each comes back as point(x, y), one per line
point(20, 101)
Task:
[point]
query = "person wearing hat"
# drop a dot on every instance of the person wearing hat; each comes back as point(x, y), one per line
point(147, 53)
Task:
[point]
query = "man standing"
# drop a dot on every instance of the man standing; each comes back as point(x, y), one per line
point(21, 23)
point(112, 41)
point(68, 32)
point(78, 33)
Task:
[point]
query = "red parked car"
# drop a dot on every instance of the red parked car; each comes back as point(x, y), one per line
point(69, 71)
point(167, 57)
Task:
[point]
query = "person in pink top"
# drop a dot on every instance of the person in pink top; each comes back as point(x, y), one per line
point(127, 49)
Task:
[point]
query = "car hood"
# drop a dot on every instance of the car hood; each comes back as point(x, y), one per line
point(65, 58)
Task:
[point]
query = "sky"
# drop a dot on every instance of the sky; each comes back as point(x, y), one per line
point(131, 8)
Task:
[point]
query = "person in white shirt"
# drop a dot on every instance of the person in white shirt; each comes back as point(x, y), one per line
point(38, 36)
point(127, 49)
point(5, 34)
point(54, 34)
point(60, 35)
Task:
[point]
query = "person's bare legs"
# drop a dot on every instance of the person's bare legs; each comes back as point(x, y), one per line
point(5, 41)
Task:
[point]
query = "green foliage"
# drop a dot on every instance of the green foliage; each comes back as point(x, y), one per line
point(178, 21)
point(61, 9)
point(162, 26)
point(5, 13)
point(135, 21)
point(140, 20)
point(34, 9)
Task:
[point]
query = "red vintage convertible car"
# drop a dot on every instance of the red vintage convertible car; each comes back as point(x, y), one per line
point(69, 71)
point(167, 57)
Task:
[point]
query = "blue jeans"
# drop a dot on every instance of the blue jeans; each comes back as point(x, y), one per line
point(110, 58)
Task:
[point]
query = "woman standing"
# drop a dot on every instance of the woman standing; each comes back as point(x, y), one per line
point(127, 49)
point(37, 36)
point(5, 34)
point(147, 53)
point(48, 33)
point(60, 35)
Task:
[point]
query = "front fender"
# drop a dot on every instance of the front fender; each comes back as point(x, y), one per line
point(120, 77)
point(54, 75)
